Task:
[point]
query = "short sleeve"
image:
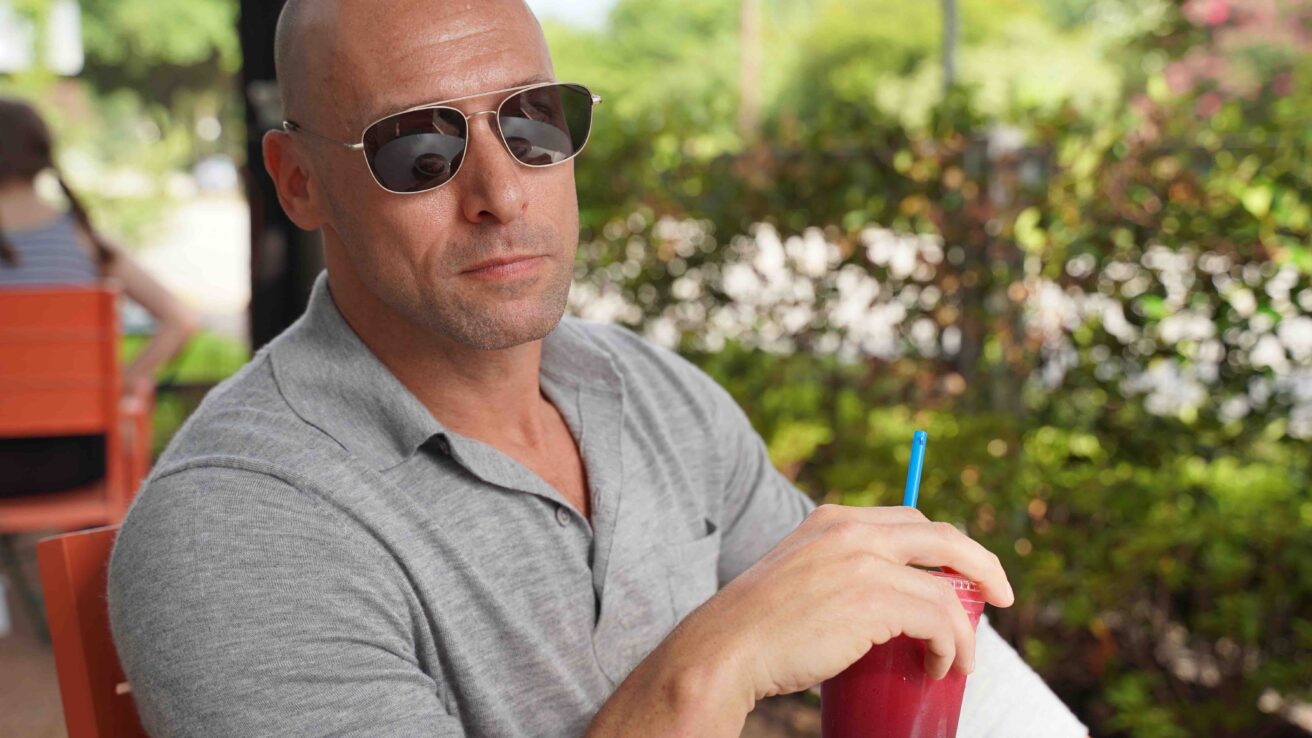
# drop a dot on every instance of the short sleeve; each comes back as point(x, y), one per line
point(760, 506)
point(240, 606)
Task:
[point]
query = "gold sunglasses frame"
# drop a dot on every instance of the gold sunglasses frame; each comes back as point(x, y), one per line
point(291, 126)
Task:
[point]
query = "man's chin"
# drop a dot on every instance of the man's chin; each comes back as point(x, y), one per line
point(501, 327)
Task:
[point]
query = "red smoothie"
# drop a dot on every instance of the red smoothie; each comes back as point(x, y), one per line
point(887, 694)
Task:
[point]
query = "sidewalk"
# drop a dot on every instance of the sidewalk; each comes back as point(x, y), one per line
point(29, 700)
point(202, 254)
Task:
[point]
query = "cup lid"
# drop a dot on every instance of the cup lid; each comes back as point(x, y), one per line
point(969, 592)
point(957, 581)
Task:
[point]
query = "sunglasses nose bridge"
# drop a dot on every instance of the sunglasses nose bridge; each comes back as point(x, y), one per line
point(494, 125)
point(497, 138)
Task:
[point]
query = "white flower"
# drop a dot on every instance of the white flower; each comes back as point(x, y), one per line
point(1050, 311)
point(1296, 335)
point(686, 288)
point(769, 259)
point(1186, 326)
point(1243, 301)
point(903, 261)
point(1235, 408)
point(811, 254)
point(741, 283)
point(663, 332)
point(1170, 391)
point(1269, 353)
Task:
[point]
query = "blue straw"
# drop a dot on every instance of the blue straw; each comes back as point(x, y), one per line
point(912, 492)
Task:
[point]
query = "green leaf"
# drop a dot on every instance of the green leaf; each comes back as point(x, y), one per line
point(1152, 307)
point(1257, 200)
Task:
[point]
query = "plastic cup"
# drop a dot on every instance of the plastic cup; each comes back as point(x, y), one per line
point(888, 694)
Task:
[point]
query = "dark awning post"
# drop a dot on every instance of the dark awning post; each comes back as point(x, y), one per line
point(284, 259)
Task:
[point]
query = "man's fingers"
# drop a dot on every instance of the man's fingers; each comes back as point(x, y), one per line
point(826, 515)
point(905, 537)
point(919, 618)
point(929, 588)
point(941, 544)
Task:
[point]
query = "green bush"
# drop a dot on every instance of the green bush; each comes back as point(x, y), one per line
point(206, 360)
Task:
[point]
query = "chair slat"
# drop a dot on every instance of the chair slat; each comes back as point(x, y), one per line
point(74, 573)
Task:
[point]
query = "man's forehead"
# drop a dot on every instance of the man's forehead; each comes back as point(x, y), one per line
point(452, 50)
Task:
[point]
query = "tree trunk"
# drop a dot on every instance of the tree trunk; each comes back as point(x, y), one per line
point(949, 44)
point(749, 108)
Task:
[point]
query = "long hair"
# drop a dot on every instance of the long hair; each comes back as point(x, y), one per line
point(26, 150)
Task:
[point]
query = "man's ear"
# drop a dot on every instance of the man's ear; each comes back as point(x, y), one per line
point(297, 191)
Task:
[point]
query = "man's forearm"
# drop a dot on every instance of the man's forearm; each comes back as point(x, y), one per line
point(676, 691)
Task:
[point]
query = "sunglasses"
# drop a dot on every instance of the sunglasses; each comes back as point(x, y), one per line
point(422, 148)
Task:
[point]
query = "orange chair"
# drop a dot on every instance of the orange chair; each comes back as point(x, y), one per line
point(97, 699)
point(59, 376)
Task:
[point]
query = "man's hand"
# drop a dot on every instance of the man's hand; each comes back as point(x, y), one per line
point(839, 584)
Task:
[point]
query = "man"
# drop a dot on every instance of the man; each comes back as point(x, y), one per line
point(434, 508)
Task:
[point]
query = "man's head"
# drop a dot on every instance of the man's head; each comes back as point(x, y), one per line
point(345, 63)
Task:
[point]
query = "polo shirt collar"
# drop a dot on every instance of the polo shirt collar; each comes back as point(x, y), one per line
point(334, 382)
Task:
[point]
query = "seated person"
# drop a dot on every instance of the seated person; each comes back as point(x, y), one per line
point(435, 507)
point(41, 246)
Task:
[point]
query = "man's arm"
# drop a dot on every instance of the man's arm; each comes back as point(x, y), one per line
point(1004, 697)
point(814, 604)
point(761, 507)
point(239, 606)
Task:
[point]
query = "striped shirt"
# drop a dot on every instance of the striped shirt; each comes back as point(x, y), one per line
point(48, 254)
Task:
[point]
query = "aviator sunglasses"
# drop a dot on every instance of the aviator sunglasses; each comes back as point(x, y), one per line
point(421, 149)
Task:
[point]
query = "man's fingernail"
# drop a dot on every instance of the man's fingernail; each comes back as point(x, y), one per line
point(1010, 593)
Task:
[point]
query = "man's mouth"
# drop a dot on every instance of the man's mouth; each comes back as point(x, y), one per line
point(505, 266)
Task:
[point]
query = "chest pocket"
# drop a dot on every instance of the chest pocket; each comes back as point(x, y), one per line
point(691, 571)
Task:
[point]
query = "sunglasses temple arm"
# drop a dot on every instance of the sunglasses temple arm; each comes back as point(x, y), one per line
point(292, 127)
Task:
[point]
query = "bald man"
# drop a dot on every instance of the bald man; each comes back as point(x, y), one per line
point(436, 507)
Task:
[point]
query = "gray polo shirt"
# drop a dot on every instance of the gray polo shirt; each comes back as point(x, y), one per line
point(314, 554)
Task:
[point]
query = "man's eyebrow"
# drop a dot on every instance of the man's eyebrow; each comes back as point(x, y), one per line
point(393, 108)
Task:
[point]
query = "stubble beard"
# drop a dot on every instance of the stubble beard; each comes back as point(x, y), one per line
point(488, 324)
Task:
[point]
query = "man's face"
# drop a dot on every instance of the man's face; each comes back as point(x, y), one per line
point(418, 253)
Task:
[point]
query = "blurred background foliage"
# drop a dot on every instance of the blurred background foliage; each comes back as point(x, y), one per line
point(157, 96)
point(1085, 267)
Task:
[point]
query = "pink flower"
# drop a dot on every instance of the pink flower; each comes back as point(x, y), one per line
point(1208, 105)
point(1283, 84)
point(1179, 78)
point(1218, 12)
point(1208, 12)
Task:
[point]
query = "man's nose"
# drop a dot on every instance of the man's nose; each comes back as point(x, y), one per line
point(490, 186)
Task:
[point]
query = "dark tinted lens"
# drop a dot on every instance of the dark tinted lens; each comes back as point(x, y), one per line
point(547, 125)
point(416, 151)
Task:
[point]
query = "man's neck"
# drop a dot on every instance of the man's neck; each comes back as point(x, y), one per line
point(493, 396)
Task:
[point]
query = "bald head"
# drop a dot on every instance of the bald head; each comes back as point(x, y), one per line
point(289, 55)
point(339, 61)
point(399, 261)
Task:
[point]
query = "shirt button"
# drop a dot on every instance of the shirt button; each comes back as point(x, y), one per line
point(562, 515)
